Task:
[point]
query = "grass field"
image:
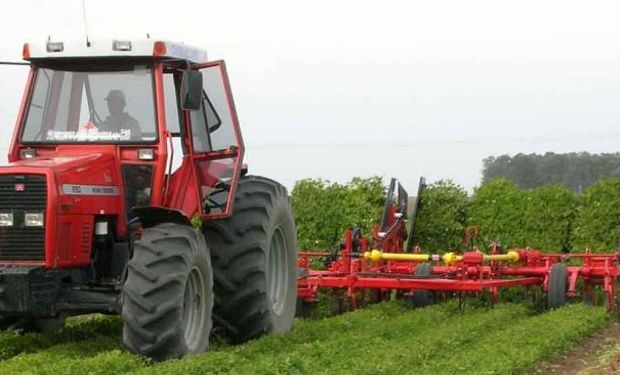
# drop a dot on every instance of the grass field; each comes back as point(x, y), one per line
point(387, 338)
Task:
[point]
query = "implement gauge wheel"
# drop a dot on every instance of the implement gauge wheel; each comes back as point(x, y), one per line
point(421, 298)
point(254, 254)
point(558, 284)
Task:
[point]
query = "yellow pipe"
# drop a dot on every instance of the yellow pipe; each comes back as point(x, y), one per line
point(376, 255)
point(448, 258)
point(510, 257)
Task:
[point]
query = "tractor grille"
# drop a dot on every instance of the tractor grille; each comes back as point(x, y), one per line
point(20, 194)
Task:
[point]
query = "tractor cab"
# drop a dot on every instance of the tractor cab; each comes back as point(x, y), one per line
point(120, 127)
point(165, 116)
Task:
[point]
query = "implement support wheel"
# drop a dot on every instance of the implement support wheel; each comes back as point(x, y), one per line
point(558, 284)
point(421, 298)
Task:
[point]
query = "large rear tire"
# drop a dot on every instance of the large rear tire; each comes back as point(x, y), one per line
point(254, 254)
point(168, 295)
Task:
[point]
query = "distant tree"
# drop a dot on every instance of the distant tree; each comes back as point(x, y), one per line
point(577, 171)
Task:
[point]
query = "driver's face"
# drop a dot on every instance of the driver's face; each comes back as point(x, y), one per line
point(116, 106)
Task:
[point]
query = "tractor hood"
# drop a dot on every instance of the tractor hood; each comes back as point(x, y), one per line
point(81, 183)
point(99, 168)
point(61, 163)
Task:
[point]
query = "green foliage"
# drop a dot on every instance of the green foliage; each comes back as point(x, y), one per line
point(323, 210)
point(196, 222)
point(497, 210)
point(549, 218)
point(548, 214)
point(442, 217)
point(507, 338)
point(77, 330)
point(540, 218)
point(598, 217)
point(517, 346)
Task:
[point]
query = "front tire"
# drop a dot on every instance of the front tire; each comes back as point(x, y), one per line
point(168, 295)
point(254, 254)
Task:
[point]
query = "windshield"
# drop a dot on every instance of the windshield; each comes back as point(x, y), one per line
point(91, 107)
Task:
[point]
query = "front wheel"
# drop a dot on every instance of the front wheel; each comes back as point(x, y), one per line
point(168, 295)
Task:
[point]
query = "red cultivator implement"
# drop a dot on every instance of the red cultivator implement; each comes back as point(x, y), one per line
point(383, 264)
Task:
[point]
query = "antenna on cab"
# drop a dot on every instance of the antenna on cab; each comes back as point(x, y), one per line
point(85, 22)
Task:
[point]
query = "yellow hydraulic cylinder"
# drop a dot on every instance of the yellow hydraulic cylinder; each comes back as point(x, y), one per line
point(451, 258)
point(448, 258)
point(376, 255)
point(510, 257)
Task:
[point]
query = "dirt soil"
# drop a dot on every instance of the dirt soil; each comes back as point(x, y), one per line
point(598, 354)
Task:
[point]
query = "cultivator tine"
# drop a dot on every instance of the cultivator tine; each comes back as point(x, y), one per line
point(385, 220)
point(461, 302)
point(414, 215)
point(403, 200)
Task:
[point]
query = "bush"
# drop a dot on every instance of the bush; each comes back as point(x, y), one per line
point(442, 217)
point(323, 210)
point(549, 218)
point(598, 217)
point(540, 218)
point(548, 213)
point(497, 210)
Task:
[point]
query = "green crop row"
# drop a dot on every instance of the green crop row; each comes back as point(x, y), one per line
point(76, 331)
point(387, 338)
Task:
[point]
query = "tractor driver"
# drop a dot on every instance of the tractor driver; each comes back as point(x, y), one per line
point(119, 119)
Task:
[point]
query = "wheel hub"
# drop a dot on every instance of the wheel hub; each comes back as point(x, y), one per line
point(194, 308)
point(277, 273)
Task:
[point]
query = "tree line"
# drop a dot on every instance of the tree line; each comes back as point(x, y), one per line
point(577, 170)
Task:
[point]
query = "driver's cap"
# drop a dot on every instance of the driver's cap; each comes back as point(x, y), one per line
point(116, 94)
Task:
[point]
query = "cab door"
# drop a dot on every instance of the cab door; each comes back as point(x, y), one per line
point(216, 144)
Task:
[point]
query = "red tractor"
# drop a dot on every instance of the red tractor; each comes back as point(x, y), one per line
point(121, 149)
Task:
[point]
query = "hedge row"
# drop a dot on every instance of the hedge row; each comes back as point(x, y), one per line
point(550, 218)
point(323, 210)
point(540, 218)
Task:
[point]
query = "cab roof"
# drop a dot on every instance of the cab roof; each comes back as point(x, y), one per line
point(106, 48)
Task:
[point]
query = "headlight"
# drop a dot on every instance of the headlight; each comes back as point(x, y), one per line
point(33, 219)
point(6, 219)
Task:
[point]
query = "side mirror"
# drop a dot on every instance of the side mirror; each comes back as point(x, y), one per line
point(191, 90)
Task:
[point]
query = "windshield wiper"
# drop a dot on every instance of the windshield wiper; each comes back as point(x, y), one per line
point(92, 111)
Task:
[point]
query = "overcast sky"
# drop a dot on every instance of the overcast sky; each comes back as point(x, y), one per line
point(337, 89)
